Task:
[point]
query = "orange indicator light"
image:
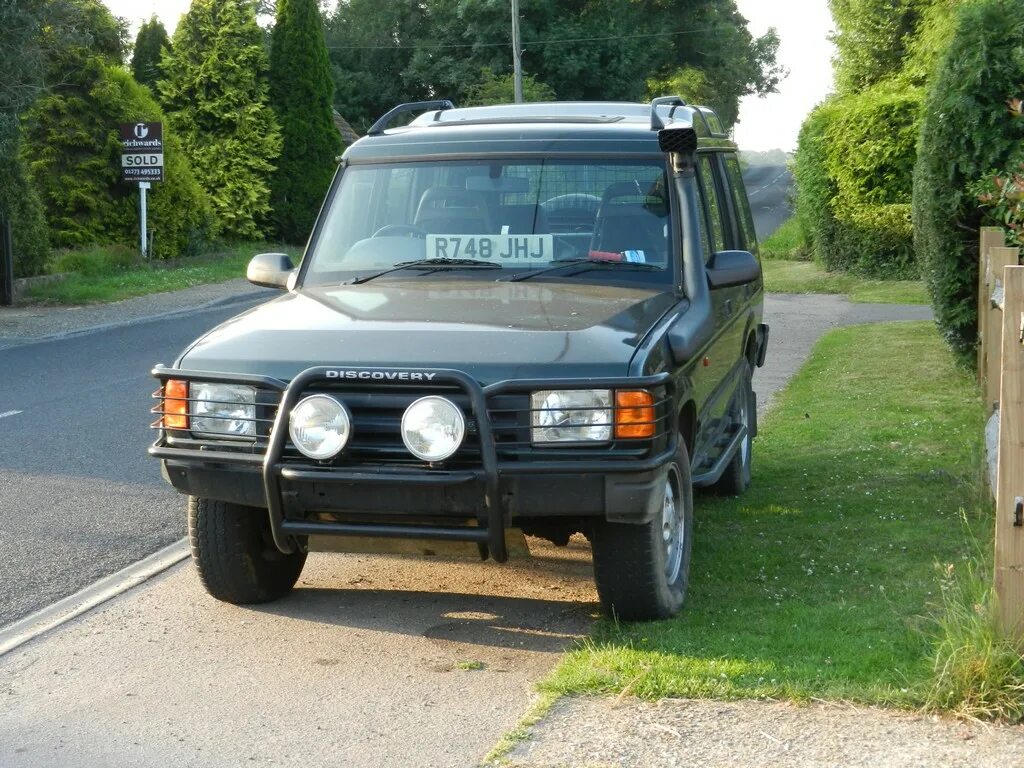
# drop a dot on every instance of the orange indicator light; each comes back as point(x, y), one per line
point(175, 404)
point(634, 414)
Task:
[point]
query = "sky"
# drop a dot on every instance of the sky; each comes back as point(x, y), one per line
point(769, 123)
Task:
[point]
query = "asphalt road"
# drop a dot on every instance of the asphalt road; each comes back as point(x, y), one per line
point(79, 498)
point(769, 188)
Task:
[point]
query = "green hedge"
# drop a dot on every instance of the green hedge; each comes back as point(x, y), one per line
point(965, 133)
point(20, 203)
point(73, 152)
point(853, 171)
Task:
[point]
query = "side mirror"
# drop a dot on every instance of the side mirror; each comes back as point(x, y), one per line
point(728, 268)
point(270, 270)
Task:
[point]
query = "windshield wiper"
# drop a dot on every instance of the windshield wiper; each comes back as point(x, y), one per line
point(585, 266)
point(432, 265)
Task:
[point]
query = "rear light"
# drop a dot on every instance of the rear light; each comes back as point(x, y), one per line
point(175, 404)
point(634, 414)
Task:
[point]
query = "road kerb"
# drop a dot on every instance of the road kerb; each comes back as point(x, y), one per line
point(97, 593)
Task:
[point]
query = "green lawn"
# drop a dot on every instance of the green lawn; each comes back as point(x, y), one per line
point(823, 581)
point(808, 277)
point(106, 277)
point(786, 242)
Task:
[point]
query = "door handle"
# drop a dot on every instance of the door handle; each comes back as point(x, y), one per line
point(727, 306)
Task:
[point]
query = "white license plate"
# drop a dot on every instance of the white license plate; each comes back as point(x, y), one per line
point(491, 247)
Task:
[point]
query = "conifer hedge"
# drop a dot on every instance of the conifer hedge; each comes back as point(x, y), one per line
point(300, 93)
point(216, 97)
point(966, 133)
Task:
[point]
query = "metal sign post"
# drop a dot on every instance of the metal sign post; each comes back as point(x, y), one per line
point(142, 161)
point(143, 239)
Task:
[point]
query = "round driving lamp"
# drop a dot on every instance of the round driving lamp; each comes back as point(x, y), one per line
point(433, 428)
point(319, 426)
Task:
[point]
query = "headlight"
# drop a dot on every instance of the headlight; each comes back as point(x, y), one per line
point(223, 409)
point(319, 426)
point(571, 415)
point(433, 428)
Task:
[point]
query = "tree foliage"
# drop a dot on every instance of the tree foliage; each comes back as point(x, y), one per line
point(300, 93)
point(22, 63)
point(874, 38)
point(216, 97)
point(385, 53)
point(501, 89)
point(149, 49)
point(966, 132)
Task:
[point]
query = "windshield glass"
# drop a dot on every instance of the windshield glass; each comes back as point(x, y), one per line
point(521, 215)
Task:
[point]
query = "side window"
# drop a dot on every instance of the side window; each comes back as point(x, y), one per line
point(712, 205)
point(739, 199)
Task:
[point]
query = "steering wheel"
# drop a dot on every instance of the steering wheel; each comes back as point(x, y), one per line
point(390, 230)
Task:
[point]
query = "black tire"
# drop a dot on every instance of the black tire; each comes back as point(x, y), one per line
point(235, 554)
point(736, 478)
point(631, 561)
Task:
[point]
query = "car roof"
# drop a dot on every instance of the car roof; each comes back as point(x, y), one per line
point(545, 128)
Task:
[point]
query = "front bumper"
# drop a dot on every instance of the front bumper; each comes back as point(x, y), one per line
point(303, 498)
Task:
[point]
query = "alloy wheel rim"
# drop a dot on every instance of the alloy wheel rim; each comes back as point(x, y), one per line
point(673, 533)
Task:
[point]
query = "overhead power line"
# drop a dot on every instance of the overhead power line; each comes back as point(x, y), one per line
point(531, 43)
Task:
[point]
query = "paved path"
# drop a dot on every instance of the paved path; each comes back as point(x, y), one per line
point(370, 663)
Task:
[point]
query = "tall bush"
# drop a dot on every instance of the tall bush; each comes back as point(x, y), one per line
point(965, 133)
point(149, 49)
point(300, 93)
point(853, 172)
point(216, 97)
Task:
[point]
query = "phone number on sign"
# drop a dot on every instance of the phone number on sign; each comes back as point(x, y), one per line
point(491, 247)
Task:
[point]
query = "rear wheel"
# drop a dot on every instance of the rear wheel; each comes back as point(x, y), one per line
point(235, 553)
point(736, 477)
point(642, 571)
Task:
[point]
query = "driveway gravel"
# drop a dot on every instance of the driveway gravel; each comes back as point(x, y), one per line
point(674, 733)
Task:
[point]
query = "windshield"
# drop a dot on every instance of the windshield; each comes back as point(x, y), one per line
point(518, 215)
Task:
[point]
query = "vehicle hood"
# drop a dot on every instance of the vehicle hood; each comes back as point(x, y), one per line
point(490, 330)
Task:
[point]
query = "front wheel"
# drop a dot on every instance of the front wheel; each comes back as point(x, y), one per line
point(235, 554)
point(642, 570)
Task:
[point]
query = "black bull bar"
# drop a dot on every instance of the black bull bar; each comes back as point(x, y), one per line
point(489, 533)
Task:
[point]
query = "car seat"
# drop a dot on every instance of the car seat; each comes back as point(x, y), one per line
point(633, 224)
point(453, 211)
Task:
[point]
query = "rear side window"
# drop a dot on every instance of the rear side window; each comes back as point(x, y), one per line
point(744, 218)
point(713, 213)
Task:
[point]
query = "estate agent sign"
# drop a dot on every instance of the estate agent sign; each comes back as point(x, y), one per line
point(142, 151)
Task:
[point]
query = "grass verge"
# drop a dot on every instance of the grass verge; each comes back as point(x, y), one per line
point(808, 277)
point(820, 581)
point(111, 274)
point(787, 242)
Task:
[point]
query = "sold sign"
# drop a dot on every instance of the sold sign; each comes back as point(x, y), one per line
point(142, 152)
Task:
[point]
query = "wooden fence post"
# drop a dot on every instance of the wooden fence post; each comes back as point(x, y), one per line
point(999, 259)
point(1009, 555)
point(991, 237)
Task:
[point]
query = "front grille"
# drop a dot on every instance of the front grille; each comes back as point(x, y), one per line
point(376, 429)
point(376, 426)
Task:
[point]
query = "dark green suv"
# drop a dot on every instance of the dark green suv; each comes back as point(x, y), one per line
point(539, 318)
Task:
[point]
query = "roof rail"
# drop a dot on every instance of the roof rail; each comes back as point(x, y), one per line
point(656, 122)
point(415, 106)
